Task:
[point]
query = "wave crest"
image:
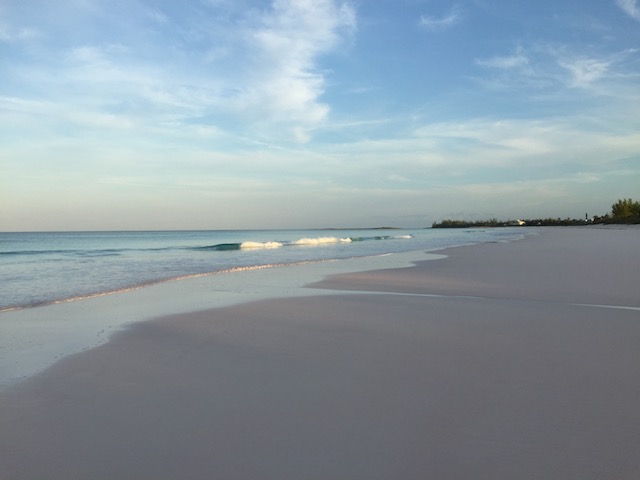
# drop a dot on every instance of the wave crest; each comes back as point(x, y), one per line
point(320, 241)
point(260, 245)
point(301, 242)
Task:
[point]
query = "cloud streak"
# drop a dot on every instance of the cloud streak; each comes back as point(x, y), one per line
point(630, 7)
point(509, 62)
point(557, 68)
point(433, 23)
point(585, 71)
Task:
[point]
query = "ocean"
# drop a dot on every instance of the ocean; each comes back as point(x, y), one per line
point(52, 267)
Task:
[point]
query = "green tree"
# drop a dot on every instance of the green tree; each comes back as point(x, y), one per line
point(625, 208)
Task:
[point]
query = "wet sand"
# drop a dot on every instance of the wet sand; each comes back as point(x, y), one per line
point(491, 363)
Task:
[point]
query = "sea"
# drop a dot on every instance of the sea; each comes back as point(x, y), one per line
point(42, 268)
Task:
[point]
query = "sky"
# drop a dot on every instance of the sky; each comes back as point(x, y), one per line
point(228, 114)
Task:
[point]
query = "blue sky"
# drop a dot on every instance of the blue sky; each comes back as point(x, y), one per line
point(205, 114)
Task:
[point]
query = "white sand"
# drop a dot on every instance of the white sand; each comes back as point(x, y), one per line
point(517, 383)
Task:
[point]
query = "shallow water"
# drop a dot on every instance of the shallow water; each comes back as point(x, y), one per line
point(33, 337)
point(44, 268)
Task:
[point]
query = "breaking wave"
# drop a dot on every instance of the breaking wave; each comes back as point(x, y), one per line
point(302, 242)
point(321, 241)
point(258, 245)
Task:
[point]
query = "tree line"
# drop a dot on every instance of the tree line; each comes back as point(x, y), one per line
point(623, 211)
point(625, 208)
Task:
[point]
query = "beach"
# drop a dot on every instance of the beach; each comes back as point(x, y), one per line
point(515, 360)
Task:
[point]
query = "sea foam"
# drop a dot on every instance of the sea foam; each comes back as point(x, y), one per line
point(320, 241)
point(258, 245)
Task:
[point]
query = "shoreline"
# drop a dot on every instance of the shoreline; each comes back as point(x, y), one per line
point(481, 364)
point(35, 338)
point(572, 265)
point(44, 269)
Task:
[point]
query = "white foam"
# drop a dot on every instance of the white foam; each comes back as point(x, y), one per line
point(321, 241)
point(259, 245)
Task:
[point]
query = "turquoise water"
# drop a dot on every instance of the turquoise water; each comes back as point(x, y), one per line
point(43, 268)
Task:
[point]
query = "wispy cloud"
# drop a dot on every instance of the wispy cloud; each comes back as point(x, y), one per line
point(525, 68)
point(630, 7)
point(585, 71)
point(549, 67)
point(16, 34)
point(265, 73)
point(287, 41)
point(268, 100)
point(434, 23)
point(613, 70)
point(517, 60)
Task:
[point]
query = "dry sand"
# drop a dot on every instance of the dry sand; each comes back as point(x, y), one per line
point(502, 377)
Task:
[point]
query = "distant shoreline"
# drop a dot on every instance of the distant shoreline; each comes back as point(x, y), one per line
point(547, 222)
